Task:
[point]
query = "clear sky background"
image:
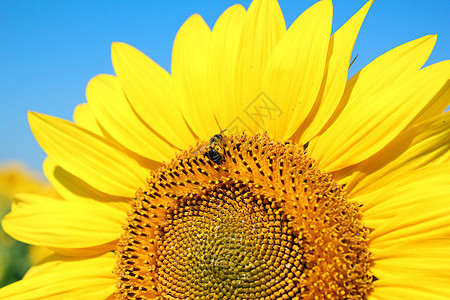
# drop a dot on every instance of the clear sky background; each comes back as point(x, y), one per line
point(50, 49)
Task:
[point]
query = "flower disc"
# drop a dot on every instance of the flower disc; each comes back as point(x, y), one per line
point(264, 224)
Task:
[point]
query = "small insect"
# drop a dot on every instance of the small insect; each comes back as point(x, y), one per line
point(215, 149)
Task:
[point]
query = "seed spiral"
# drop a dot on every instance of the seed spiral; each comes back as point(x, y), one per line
point(265, 224)
point(229, 248)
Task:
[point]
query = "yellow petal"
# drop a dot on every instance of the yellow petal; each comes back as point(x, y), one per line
point(65, 224)
point(424, 222)
point(368, 125)
point(149, 88)
point(421, 186)
point(221, 63)
point(262, 29)
point(112, 109)
point(88, 156)
point(66, 278)
point(295, 71)
point(411, 286)
point(427, 264)
point(86, 252)
point(335, 77)
point(390, 68)
point(395, 261)
point(38, 254)
point(84, 117)
point(72, 188)
point(425, 144)
point(437, 105)
point(189, 66)
point(26, 199)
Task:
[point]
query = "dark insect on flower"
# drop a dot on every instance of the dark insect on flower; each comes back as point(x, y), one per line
point(215, 148)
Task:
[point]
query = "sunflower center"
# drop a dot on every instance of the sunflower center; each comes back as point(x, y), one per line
point(227, 245)
point(243, 218)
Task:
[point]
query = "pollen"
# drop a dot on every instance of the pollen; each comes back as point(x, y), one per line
point(264, 224)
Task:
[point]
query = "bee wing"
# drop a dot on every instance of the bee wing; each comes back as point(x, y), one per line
point(200, 148)
point(225, 140)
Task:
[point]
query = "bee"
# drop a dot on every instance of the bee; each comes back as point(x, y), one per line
point(215, 148)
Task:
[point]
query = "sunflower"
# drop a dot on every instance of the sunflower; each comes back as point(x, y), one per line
point(255, 170)
point(15, 257)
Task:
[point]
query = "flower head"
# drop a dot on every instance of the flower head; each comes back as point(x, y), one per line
point(15, 257)
point(255, 170)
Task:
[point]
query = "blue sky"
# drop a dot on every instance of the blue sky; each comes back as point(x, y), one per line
point(50, 49)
